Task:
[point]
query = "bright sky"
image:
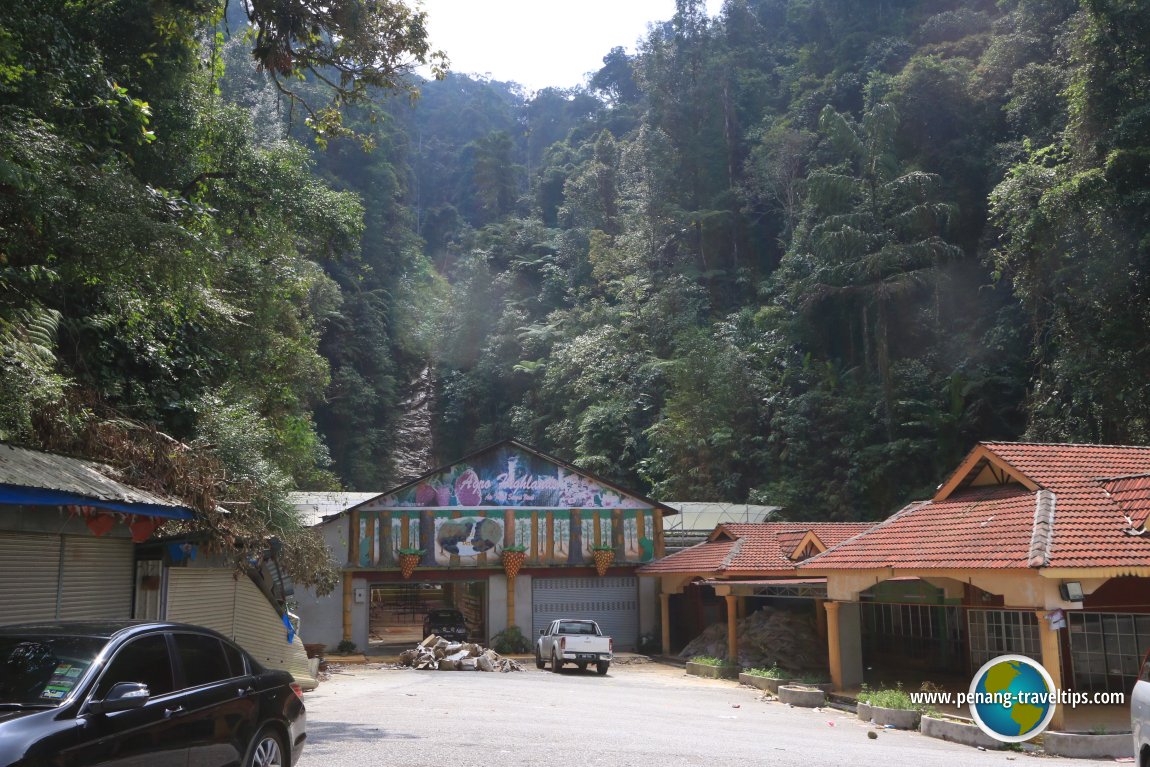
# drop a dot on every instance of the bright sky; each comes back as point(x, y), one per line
point(540, 43)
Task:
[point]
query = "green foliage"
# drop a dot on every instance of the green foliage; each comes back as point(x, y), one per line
point(896, 698)
point(774, 672)
point(707, 660)
point(346, 647)
point(511, 641)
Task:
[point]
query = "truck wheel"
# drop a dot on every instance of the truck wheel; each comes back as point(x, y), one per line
point(555, 664)
point(539, 660)
point(602, 667)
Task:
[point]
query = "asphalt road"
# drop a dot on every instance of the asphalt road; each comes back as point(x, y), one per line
point(637, 715)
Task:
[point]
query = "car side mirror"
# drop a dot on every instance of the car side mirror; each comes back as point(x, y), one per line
point(542, 632)
point(122, 697)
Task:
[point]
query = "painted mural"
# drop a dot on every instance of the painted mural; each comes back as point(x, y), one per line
point(508, 477)
point(549, 537)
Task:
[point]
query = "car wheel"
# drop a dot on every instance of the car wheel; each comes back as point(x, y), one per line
point(266, 750)
point(602, 668)
point(554, 663)
point(539, 662)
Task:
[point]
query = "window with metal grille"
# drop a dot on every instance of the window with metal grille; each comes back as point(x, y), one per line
point(1106, 649)
point(1002, 632)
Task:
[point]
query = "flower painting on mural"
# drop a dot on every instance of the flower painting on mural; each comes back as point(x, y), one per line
point(508, 477)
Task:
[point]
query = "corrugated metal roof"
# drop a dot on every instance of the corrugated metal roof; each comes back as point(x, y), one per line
point(707, 515)
point(31, 477)
point(313, 507)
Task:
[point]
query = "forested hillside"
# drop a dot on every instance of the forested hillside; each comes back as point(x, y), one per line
point(805, 253)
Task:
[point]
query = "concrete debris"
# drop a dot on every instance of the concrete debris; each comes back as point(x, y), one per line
point(767, 637)
point(435, 653)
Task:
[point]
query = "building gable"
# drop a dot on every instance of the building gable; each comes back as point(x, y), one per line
point(509, 475)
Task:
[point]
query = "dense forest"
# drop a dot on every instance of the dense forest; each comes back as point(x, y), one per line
point(795, 254)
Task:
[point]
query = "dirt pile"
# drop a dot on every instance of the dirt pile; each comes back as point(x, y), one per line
point(766, 637)
point(437, 654)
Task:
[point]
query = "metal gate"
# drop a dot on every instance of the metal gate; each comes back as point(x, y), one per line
point(613, 603)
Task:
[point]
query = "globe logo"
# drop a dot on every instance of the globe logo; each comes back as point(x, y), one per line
point(1012, 698)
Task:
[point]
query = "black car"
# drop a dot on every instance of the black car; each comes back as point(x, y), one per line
point(446, 622)
point(136, 693)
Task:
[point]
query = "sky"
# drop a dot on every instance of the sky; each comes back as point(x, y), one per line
point(540, 43)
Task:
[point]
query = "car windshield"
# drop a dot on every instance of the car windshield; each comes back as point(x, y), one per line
point(446, 615)
point(43, 670)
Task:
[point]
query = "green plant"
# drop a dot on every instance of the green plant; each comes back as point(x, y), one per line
point(707, 660)
point(511, 640)
point(602, 547)
point(814, 678)
point(888, 698)
point(413, 552)
point(774, 672)
point(345, 647)
point(515, 547)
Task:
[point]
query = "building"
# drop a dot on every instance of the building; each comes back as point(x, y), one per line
point(454, 526)
point(76, 543)
point(738, 568)
point(1034, 549)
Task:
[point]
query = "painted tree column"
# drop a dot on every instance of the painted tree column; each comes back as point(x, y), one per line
point(347, 606)
point(1051, 660)
point(353, 539)
point(511, 602)
point(732, 631)
point(834, 648)
point(665, 620)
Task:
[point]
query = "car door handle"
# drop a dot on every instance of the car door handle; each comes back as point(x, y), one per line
point(170, 712)
point(244, 691)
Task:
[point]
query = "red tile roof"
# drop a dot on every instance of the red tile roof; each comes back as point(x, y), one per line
point(997, 526)
point(746, 548)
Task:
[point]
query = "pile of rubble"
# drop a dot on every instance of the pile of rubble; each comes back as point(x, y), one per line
point(767, 637)
point(437, 654)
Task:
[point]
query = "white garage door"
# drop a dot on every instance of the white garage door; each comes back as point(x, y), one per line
point(613, 603)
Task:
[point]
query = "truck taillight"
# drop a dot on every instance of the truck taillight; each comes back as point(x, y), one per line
point(611, 645)
point(562, 644)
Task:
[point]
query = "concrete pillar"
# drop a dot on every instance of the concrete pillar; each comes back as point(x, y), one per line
point(1051, 661)
point(732, 632)
point(665, 620)
point(844, 644)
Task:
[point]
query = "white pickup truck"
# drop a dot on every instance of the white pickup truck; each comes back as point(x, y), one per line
point(573, 641)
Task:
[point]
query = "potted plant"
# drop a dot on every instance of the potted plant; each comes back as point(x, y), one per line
point(712, 668)
point(766, 678)
point(604, 555)
point(889, 707)
point(408, 560)
point(513, 558)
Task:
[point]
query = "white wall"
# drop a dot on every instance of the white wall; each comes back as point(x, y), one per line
point(321, 618)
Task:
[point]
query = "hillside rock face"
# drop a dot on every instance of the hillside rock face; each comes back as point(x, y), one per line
point(767, 637)
point(412, 455)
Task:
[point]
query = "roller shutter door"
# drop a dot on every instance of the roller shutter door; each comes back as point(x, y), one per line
point(237, 608)
point(97, 580)
point(613, 603)
point(29, 572)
